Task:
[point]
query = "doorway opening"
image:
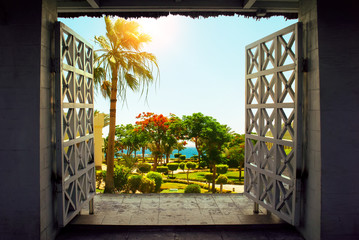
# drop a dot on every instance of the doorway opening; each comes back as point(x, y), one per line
point(268, 116)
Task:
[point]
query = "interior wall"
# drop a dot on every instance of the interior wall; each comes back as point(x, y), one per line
point(48, 225)
point(19, 119)
point(310, 218)
point(338, 38)
point(26, 202)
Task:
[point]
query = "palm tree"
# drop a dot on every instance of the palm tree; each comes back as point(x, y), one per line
point(123, 61)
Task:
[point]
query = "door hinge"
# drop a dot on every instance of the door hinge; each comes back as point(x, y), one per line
point(304, 65)
point(55, 65)
point(58, 188)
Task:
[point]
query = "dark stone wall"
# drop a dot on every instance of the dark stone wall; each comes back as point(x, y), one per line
point(338, 38)
point(310, 213)
point(26, 203)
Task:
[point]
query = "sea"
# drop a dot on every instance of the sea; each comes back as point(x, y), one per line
point(189, 152)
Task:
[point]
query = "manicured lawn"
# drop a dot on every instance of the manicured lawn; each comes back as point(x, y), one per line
point(199, 176)
point(179, 186)
point(173, 185)
point(192, 175)
point(99, 190)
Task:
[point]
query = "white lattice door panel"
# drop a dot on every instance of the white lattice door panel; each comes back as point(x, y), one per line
point(74, 123)
point(273, 122)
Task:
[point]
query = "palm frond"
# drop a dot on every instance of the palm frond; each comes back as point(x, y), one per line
point(120, 52)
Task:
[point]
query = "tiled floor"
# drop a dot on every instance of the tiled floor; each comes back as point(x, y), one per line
point(176, 217)
point(174, 209)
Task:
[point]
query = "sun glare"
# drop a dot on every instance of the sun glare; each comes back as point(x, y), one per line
point(163, 31)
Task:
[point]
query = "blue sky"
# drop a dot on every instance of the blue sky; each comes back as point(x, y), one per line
point(201, 65)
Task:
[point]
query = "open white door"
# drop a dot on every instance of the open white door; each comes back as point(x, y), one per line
point(74, 101)
point(274, 122)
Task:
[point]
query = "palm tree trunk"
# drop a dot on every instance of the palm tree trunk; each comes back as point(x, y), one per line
point(110, 187)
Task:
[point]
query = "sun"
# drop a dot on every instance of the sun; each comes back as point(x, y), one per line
point(164, 31)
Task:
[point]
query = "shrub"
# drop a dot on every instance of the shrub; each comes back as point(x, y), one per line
point(190, 165)
point(209, 177)
point(162, 169)
point(222, 168)
point(192, 188)
point(222, 179)
point(128, 161)
point(134, 183)
point(195, 157)
point(99, 178)
point(172, 167)
point(182, 165)
point(104, 173)
point(147, 185)
point(157, 177)
point(144, 167)
point(120, 177)
point(182, 157)
point(177, 155)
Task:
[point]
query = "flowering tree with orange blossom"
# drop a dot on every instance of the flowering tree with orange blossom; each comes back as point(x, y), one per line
point(156, 126)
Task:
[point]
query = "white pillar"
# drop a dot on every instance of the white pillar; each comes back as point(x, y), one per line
point(98, 125)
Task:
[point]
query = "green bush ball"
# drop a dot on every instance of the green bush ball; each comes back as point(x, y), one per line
point(157, 177)
point(192, 188)
point(134, 182)
point(222, 179)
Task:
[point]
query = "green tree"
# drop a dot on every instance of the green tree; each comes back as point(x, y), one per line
point(189, 166)
point(209, 179)
point(182, 165)
point(129, 139)
point(222, 179)
point(221, 168)
point(235, 152)
point(168, 144)
point(194, 125)
point(214, 137)
point(162, 169)
point(128, 67)
point(172, 167)
point(144, 167)
point(143, 140)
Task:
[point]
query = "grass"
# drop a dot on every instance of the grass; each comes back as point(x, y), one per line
point(99, 190)
point(179, 186)
point(199, 176)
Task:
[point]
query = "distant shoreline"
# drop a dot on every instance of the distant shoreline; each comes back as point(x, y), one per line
point(189, 152)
